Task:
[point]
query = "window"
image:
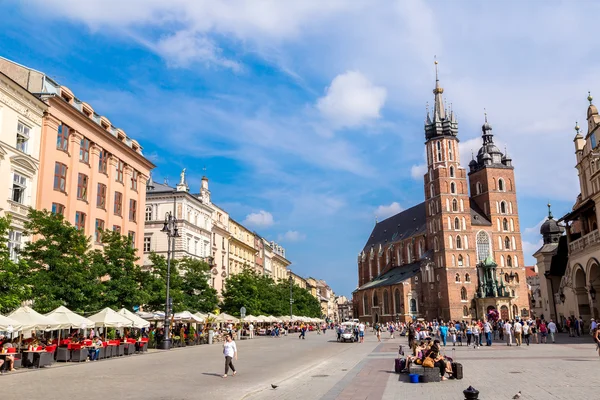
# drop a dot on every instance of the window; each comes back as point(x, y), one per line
point(22, 136)
point(413, 305)
point(18, 188)
point(118, 203)
point(503, 207)
point(98, 231)
point(116, 228)
point(452, 187)
point(439, 151)
point(386, 303)
point(120, 167)
point(147, 243)
point(436, 246)
point(483, 246)
point(460, 260)
point(60, 177)
point(82, 184)
point(478, 188)
point(507, 243)
point(84, 151)
point(509, 261)
point(458, 242)
point(149, 213)
point(467, 278)
point(101, 196)
point(103, 162)
point(501, 185)
point(451, 171)
point(80, 220)
point(132, 210)
point(505, 224)
point(457, 278)
point(365, 305)
point(131, 236)
point(465, 311)
point(397, 301)
point(62, 139)
point(134, 180)
point(431, 191)
point(456, 224)
point(463, 293)
point(58, 209)
point(454, 205)
point(14, 244)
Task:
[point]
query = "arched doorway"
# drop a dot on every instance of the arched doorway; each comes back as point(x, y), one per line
point(594, 279)
point(581, 294)
point(504, 312)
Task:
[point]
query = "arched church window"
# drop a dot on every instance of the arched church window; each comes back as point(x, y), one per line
point(467, 278)
point(452, 187)
point(386, 302)
point(501, 185)
point(505, 224)
point(465, 311)
point(439, 151)
point(450, 155)
point(517, 278)
point(413, 305)
point(375, 299)
point(502, 261)
point(431, 191)
point(483, 246)
point(451, 171)
point(420, 248)
point(479, 188)
point(450, 242)
point(397, 301)
point(507, 243)
point(456, 224)
point(436, 244)
point(463, 293)
point(460, 260)
point(457, 278)
point(365, 305)
point(458, 242)
point(503, 207)
point(454, 205)
point(509, 261)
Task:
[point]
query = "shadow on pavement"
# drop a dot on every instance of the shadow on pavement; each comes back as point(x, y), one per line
point(212, 374)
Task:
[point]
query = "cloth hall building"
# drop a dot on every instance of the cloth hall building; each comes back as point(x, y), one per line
point(458, 254)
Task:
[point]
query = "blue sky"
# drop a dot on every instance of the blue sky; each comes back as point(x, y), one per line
point(308, 115)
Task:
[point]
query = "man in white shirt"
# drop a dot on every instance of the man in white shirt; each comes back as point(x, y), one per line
point(552, 329)
point(518, 329)
point(508, 333)
point(526, 332)
point(361, 332)
point(251, 330)
point(487, 329)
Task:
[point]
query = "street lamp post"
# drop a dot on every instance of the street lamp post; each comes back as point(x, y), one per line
point(291, 295)
point(172, 231)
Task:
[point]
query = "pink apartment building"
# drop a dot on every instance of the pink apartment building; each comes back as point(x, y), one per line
point(90, 171)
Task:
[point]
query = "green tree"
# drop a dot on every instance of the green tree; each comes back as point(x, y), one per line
point(242, 290)
point(117, 263)
point(155, 284)
point(305, 304)
point(197, 295)
point(63, 273)
point(15, 285)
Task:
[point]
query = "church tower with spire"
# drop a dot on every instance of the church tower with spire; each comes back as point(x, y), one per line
point(447, 214)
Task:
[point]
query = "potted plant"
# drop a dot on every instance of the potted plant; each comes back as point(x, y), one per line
point(192, 335)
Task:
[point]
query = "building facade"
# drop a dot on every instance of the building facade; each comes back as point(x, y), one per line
point(279, 263)
point(457, 255)
point(220, 242)
point(536, 302)
point(241, 248)
point(90, 171)
point(20, 135)
point(344, 307)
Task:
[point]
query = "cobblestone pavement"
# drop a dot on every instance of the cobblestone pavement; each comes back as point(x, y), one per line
point(318, 368)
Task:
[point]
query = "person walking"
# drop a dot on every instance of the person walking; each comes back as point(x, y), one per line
point(508, 333)
point(533, 329)
point(596, 336)
point(452, 332)
point(251, 329)
point(378, 332)
point(361, 332)
point(476, 335)
point(443, 333)
point(552, 330)
point(543, 332)
point(518, 329)
point(526, 330)
point(487, 329)
point(230, 352)
point(469, 335)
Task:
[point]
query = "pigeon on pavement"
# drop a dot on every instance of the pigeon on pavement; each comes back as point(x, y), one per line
point(518, 395)
point(275, 386)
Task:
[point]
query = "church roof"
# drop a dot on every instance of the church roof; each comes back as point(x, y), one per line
point(408, 223)
point(395, 275)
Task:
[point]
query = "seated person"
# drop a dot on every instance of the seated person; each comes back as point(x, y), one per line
point(94, 349)
point(11, 359)
point(439, 361)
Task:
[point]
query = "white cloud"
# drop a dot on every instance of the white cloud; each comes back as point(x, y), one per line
point(417, 172)
point(291, 236)
point(352, 100)
point(261, 219)
point(383, 212)
point(529, 248)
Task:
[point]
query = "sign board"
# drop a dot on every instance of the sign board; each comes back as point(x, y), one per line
point(243, 312)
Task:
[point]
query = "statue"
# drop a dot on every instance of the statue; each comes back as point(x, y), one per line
point(182, 177)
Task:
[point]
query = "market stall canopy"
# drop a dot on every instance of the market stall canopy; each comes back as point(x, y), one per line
point(110, 319)
point(201, 316)
point(33, 320)
point(250, 318)
point(9, 325)
point(138, 322)
point(261, 318)
point(186, 316)
point(224, 317)
point(284, 318)
point(271, 318)
point(68, 319)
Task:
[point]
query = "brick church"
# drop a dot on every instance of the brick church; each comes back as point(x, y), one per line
point(458, 254)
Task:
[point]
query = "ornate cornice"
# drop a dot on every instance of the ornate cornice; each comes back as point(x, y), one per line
point(21, 109)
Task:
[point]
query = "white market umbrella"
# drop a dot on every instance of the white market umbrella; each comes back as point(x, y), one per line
point(109, 318)
point(69, 319)
point(201, 316)
point(224, 317)
point(250, 318)
point(138, 322)
point(187, 316)
point(285, 318)
point(9, 325)
point(33, 320)
point(271, 318)
point(262, 318)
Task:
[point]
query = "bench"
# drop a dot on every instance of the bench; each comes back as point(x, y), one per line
point(428, 374)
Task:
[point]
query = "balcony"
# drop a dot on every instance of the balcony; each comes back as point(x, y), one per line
point(18, 208)
point(592, 239)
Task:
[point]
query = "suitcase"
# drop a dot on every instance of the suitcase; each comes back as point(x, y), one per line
point(399, 365)
point(457, 370)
